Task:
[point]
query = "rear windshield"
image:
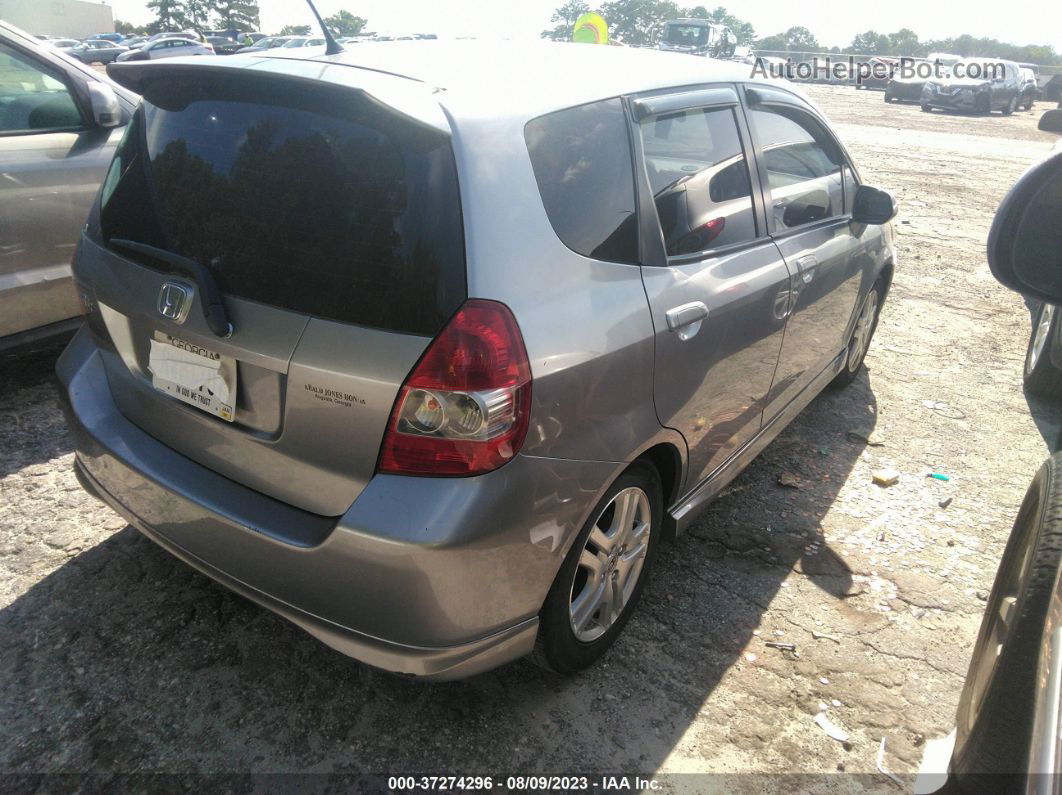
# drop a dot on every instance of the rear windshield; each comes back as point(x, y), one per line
point(307, 199)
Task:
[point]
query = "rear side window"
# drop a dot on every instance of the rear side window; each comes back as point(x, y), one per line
point(306, 199)
point(699, 178)
point(582, 162)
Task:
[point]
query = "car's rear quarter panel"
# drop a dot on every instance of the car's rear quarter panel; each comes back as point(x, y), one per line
point(586, 323)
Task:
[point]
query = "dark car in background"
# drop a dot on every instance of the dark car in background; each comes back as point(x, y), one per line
point(902, 88)
point(879, 72)
point(1030, 89)
point(223, 45)
point(977, 85)
point(907, 82)
point(60, 122)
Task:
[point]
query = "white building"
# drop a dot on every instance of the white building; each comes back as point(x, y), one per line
point(72, 19)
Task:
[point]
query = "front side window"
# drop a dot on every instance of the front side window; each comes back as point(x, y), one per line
point(699, 178)
point(582, 162)
point(32, 99)
point(803, 166)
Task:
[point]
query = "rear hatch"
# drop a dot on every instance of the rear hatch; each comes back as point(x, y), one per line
point(329, 222)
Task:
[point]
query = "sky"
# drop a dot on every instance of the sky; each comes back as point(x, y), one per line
point(1016, 21)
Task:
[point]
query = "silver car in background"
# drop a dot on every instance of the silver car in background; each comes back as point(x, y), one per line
point(60, 122)
point(175, 47)
point(431, 366)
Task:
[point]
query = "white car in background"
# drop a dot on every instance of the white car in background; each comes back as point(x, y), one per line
point(167, 48)
point(304, 41)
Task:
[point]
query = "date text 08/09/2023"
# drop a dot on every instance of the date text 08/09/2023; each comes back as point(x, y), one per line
point(522, 783)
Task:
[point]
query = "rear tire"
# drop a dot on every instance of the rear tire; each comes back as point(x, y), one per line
point(926, 108)
point(559, 646)
point(995, 713)
point(862, 334)
point(1040, 375)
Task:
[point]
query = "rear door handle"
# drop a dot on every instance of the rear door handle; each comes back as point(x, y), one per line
point(686, 319)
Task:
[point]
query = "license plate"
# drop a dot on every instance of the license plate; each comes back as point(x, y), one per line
point(191, 373)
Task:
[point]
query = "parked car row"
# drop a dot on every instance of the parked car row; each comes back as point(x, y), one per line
point(969, 84)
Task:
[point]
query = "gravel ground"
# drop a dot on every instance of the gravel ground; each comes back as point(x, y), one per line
point(117, 658)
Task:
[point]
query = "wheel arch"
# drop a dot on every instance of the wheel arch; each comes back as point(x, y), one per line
point(667, 460)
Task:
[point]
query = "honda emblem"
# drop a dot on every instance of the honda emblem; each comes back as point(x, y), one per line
point(174, 300)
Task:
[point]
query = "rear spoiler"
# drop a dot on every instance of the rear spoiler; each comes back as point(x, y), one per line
point(413, 100)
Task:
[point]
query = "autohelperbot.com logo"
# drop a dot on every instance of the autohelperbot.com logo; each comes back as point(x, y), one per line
point(848, 69)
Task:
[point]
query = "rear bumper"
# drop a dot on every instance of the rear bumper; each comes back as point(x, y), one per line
point(434, 577)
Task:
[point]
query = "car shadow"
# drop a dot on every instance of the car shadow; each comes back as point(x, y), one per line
point(1047, 414)
point(32, 428)
point(125, 660)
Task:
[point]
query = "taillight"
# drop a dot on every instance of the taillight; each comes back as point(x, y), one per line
point(465, 408)
point(699, 238)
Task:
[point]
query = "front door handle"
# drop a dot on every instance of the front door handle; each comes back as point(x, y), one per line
point(685, 320)
point(806, 267)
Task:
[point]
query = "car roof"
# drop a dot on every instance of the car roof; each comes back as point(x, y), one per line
point(474, 79)
point(480, 75)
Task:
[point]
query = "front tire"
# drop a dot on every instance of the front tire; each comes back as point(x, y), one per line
point(1040, 375)
point(862, 334)
point(1011, 107)
point(926, 108)
point(603, 575)
point(994, 718)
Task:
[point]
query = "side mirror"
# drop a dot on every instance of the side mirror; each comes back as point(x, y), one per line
point(106, 110)
point(1052, 121)
point(1025, 242)
point(873, 206)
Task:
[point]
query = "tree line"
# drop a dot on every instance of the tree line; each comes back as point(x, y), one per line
point(638, 22)
point(176, 15)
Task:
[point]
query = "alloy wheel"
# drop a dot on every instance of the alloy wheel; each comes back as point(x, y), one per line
point(610, 564)
point(863, 330)
point(1000, 617)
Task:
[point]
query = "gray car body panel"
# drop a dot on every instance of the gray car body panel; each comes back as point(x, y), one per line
point(409, 569)
point(416, 562)
point(48, 183)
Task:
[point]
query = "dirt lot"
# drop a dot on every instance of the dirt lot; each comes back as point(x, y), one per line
point(116, 658)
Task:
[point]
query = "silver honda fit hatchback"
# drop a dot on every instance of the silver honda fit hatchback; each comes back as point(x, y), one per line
point(427, 347)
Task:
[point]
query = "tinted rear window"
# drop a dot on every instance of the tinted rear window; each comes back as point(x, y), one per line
point(311, 200)
point(582, 162)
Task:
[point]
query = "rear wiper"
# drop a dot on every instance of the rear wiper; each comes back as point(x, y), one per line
point(213, 308)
